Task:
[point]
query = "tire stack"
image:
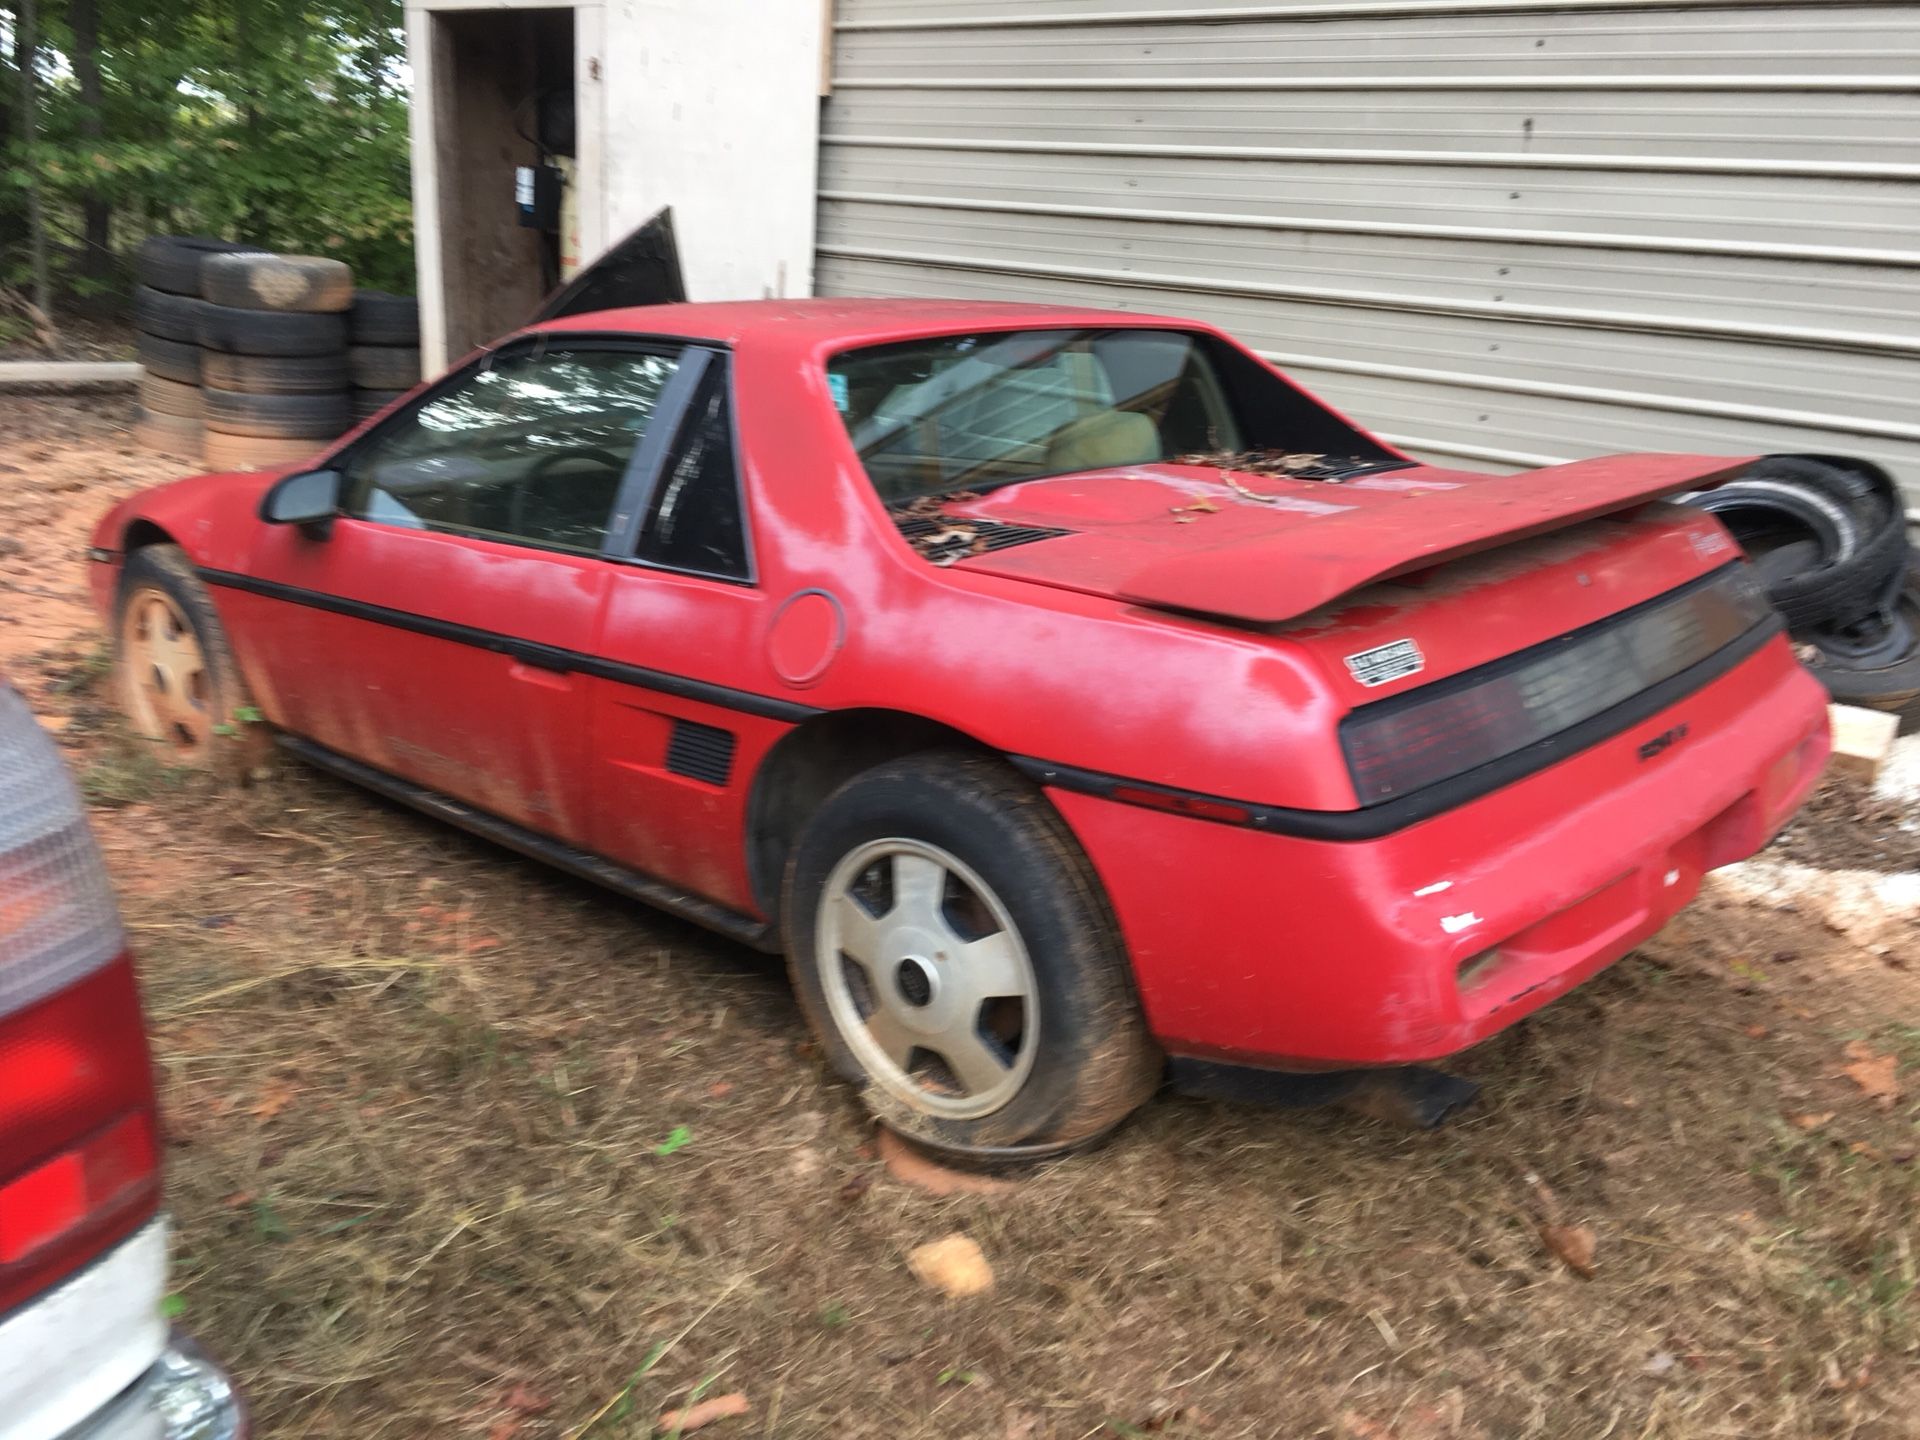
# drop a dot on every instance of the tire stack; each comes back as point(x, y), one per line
point(273, 336)
point(1827, 536)
point(166, 309)
point(385, 356)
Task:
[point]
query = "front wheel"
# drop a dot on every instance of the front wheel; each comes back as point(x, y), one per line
point(953, 951)
point(176, 675)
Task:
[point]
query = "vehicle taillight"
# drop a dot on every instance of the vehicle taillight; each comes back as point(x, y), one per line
point(1395, 747)
point(57, 917)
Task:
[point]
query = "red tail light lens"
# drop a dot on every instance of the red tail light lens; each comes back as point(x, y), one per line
point(1395, 747)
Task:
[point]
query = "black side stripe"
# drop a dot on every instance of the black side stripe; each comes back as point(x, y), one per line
point(545, 657)
point(1337, 825)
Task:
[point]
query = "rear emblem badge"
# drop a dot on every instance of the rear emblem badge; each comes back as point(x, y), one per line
point(1395, 660)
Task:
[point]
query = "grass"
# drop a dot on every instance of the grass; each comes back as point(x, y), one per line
point(461, 1147)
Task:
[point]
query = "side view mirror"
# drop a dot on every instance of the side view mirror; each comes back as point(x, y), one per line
point(309, 499)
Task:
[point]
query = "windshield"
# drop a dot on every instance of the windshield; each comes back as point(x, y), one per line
point(968, 412)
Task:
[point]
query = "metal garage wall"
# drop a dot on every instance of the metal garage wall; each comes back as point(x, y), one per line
point(1499, 232)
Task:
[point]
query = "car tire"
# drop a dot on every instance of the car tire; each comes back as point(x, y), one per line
point(255, 452)
point(275, 374)
point(378, 318)
point(169, 359)
point(180, 435)
point(172, 263)
point(258, 280)
point(172, 317)
point(1052, 1050)
point(279, 417)
point(239, 331)
point(172, 397)
point(1891, 686)
point(384, 367)
point(369, 403)
point(175, 673)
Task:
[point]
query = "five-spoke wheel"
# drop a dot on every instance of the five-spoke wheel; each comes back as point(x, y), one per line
point(927, 978)
point(177, 679)
point(952, 949)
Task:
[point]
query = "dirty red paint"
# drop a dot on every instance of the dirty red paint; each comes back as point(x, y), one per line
point(1205, 654)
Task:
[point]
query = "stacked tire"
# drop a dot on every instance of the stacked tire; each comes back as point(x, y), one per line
point(1827, 536)
point(273, 337)
point(166, 309)
point(385, 356)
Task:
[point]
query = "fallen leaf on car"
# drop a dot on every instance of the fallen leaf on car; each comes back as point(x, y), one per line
point(1572, 1245)
point(703, 1413)
point(1876, 1075)
point(953, 1265)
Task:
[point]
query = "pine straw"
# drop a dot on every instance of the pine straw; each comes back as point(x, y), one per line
point(417, 1188)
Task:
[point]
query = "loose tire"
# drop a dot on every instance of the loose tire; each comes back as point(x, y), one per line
point(1892, 685)
point(256, 452)
point(274, 374)
point(172, 397)
point(279, 417)
point(384, 367)
point(378, 318)
point(172, 262)
point(270, 332)
point(174, 670)
point(256, 280)
point(173, 317)
point(950, 946)
point(169, 359)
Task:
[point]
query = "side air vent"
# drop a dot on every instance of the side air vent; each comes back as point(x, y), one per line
point(700, 752)
point(945, 539)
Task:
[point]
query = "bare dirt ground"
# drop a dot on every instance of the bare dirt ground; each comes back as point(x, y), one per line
point(462, 1148)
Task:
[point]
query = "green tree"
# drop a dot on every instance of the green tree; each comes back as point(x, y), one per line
point(279, 122)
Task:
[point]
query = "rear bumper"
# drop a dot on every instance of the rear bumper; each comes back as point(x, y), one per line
point(92, 1359)
point(1310, 954)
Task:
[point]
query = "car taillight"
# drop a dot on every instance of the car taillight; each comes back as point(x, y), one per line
point(57, 917)
point(1395, 747)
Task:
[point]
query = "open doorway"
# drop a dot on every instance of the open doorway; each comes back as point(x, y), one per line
point(505, 143)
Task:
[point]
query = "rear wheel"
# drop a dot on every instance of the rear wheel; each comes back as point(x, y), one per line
point(952, 949)
point(176, 675)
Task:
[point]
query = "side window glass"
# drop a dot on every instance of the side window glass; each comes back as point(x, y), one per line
point(531, 449)
point(696, 521)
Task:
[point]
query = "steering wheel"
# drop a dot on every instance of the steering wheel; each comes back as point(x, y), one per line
point(517, 507)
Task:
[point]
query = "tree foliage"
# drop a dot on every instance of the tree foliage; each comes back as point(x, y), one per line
point(280, 122)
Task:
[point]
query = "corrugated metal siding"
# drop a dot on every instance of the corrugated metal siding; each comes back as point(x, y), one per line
point(1499, 232)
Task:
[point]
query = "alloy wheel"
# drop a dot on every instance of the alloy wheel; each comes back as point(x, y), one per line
point(927, 978)
point(169, 688)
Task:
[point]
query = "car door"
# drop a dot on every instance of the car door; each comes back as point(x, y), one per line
point(435, 627)
point(681, 718)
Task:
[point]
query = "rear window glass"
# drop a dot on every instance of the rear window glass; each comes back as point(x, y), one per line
point(967, 412)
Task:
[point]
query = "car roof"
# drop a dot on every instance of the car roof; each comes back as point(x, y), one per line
point(825, 325)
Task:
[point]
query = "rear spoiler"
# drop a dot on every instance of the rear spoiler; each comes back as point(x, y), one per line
point(1266, 581)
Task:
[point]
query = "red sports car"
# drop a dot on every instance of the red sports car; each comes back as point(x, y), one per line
point(1061, 690)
